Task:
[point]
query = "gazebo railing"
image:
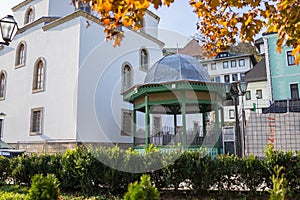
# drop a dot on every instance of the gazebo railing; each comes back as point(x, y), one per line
point(167, 136)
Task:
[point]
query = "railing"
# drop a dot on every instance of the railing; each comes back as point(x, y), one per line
point(168, 136)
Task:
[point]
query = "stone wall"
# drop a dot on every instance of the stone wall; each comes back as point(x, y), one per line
point(59, 147)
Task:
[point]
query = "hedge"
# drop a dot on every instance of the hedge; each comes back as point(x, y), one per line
point(80, 170)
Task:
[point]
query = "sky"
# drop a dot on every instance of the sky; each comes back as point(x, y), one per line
point(178, 18)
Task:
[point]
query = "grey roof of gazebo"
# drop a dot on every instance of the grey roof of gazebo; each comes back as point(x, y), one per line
point(177, 67)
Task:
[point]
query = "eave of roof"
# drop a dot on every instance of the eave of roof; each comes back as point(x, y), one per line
point(37, 22)
point(20, 5)
point(152, 14)
point(228, 57)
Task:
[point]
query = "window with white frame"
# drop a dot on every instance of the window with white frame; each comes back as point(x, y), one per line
point(36, 121)
point(226, 78)
point(233, 63)
point(231, 114)
point(144, 60)
point(234, 77)
point(258, 94)
point(290, 58)
point(127, 123)
point(20, 55)
point(217, 79)
point(225, 64)
point(213, 66)
point(248, 95)
point(39, 76)
point(2, 84)
point(29, 15)
point(294, 91)
point(205, 66)
point(242, 62)
point(127, 77)
point(242, 76)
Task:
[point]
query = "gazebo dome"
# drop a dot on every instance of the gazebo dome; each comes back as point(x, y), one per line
point(177, 67)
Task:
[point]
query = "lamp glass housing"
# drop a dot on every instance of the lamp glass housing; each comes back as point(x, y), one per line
point(243, 86)
point(8, 28)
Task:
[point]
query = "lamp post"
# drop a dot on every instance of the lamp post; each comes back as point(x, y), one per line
point(9, 28)
point(2, 116)
point(234, 90)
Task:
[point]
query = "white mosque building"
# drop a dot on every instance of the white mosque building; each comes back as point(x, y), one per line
point(61, 82)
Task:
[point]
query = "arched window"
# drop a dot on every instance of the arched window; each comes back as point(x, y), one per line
point(2, 84)
point(39, 76)
point(144, 60)
point(20, 54)
point(127, 77)
point(29, 15)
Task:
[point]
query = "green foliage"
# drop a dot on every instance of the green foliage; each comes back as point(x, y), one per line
point(11, 196)
point(291, 167)
point(43, 188)
point(23, 168)
point(280, 189)
point(142, 191)
point(253, 173)
point(98, 171)
point(4, 168)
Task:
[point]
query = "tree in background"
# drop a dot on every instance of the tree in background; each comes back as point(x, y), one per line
point(244, 48)
point(220, 21)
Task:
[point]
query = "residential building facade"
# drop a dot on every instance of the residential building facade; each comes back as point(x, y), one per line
point(228, 68)
point(282, 72)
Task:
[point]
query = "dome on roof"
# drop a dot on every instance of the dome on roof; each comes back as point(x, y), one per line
point(177, 67)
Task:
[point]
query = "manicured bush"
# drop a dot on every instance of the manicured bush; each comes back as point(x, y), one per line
point(110, 170)
point(4, 169)
point(143, 190)
point(280, 188)
point(253, 174)
point(11, 196)
point(43, 188)
point(291, 167)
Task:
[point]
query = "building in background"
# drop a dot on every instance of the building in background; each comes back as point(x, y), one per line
point(228, 68)
point(282, 72)
point(256, 97)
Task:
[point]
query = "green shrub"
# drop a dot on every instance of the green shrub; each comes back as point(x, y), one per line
point(43, 188)
point(291, 167)
point(280, 188)
point(142, 191)
point(253, 173)
point(4, 169)
point(11, 196)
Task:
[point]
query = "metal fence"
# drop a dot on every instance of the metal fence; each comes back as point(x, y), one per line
point(279, 125)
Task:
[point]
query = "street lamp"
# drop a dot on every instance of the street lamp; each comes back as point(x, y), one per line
point(2, 116)
point(9, 28)
point(235, 90)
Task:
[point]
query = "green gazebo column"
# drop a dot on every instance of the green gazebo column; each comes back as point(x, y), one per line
point(217, 127)
point(204, 124)
point(183, 112)
point(175, 125)
point(147, 122)
point(134, 126)
point(222, 117)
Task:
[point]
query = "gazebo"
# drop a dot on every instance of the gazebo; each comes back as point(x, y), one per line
point(178, 85)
